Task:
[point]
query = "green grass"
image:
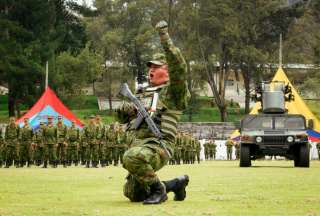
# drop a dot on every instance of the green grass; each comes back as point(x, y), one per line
point(215, 188)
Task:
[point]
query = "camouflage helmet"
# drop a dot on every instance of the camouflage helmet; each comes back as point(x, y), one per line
point(157, 59)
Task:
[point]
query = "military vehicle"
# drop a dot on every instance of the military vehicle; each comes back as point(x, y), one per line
point(273, 131)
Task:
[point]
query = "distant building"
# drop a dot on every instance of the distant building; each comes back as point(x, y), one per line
point(4, 90)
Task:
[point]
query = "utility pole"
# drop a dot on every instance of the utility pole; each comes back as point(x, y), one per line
point(47, 74)
point(280, 52)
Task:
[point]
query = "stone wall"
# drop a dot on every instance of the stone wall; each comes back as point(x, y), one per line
point(207, 130)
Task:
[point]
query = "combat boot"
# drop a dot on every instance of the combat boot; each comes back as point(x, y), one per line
point(158, 194)
point(178, 186)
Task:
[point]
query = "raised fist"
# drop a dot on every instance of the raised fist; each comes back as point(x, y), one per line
point(162, 27)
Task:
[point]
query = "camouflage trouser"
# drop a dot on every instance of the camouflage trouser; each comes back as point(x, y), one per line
point(237, 153)
point(61, 152)
point(114, 155)
point(50, 153)
point(11, 155)
point(177, 155)
point(93, 152)
point(72, 153)
point(206, 154)
point(39, 153)
point(84, 153)
point(198, 156)
point(142, 162)
point(25, 153)
point(229, 153)
point(121, 152)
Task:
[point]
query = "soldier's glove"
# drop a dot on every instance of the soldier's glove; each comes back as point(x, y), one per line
point(162, 28)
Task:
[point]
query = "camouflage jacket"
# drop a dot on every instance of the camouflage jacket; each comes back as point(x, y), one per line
point(50, 135)
point(12, 134)
point(172, 100)
point(61, 133)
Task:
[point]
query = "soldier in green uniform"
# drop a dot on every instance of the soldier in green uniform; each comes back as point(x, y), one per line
point(229, 144)
point(144, 159)
point(198, 149)
point(206, 150)
point(73, 139)
point(100, 138)
point(50, 141)
point(90, 134)
point(237, 150)
point(107, 148)
point(26, 138)
point(39, 144)
point(213, 149)
point(188, 149)
point(61, 142)
point(318, 148)
point(116, 143)
point(178, 148)
point(12, 145)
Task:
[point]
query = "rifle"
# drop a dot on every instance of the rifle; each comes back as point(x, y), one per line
point(143, 114)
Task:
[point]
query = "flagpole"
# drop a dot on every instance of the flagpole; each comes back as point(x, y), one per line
point(280, 52)
point(47, 74)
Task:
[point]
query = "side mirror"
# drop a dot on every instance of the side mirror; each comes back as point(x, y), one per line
point(310, 124)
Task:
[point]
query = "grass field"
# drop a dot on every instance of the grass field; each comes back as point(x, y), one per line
point(215, 188)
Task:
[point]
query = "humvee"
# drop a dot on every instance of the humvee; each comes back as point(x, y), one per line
point(273, 131)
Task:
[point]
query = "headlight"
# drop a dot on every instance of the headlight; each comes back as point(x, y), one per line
point(258, 139)
point(290, 139)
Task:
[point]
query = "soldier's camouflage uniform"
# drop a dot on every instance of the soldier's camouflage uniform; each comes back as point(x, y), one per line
point(229, 144)
point(39, 145)
point(26, 145)
point(90, 134)
point(12, 145)
point(100, 141)
point(178, 149)
point(115, 145)
point(50, 140)
point(73, 140)
point(318, 148)
point(61, 143)
point(198, 149)
point(107, 147)
point(237, 150)
point(146, 157)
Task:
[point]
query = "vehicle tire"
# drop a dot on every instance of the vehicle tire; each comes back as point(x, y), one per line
point(245, 160)
point(304, 156)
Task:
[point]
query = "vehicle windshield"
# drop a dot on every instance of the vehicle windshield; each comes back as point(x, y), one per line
point(268, 122)
point(257, 122)
point(290, 122)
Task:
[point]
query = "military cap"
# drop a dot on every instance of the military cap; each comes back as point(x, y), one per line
point(157, 59)
point(91, 116)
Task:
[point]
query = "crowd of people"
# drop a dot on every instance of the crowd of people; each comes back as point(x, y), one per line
point(55, 144)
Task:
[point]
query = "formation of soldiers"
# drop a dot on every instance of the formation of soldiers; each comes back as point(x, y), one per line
point(58, 144)
point(186, 149)
point(210, 149)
